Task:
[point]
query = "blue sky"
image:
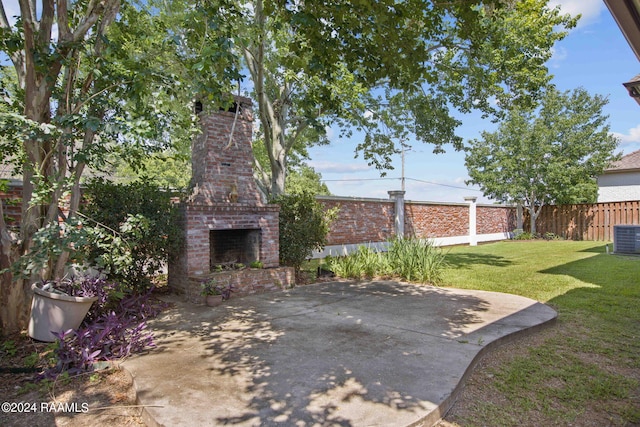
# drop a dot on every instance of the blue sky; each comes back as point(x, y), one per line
point(595, 55)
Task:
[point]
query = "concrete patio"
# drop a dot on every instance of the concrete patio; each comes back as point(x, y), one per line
point(339, 354)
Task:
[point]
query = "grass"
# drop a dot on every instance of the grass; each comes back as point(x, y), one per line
point(584, 370)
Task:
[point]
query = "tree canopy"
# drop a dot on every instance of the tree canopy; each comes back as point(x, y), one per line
point(107, 81)
point(548, 155)
point(390, 68)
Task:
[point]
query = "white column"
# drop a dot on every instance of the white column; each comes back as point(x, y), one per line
point(398, 197)
point(473, 237)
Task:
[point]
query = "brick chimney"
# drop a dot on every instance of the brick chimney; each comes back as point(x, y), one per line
point(222, 157)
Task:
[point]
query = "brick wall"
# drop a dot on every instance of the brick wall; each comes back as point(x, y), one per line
point(12, 204)
point(245, 282)
point(495, 219)
point(429, 220)
point(362, 221)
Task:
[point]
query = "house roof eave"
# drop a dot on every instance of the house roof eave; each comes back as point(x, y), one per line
point(627, 16)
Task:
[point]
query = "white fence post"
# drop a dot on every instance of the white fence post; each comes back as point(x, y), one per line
point(473, 237)
point(398, 197)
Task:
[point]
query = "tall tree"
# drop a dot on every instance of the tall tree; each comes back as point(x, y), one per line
point(52, 95)
point(388, 68)
point(95, 80)
point(552, 154)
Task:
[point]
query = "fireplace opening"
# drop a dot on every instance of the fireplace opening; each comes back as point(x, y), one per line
point(228, 247)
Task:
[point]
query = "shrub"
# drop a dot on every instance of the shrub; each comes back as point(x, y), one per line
point(525, 235)
point(551, 236)
point(133, 229)
point(303, 227)
point(256, 264)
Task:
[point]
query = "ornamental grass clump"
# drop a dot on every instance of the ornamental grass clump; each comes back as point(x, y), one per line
point(365, 263)
point(416, 260)
point(413, 260)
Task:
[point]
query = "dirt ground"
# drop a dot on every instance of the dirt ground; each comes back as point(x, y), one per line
point(98, 398)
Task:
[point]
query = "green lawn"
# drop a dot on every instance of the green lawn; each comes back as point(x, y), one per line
point(586, 369)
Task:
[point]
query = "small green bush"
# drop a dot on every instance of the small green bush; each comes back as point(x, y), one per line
point(304, 225)
point(256, 264)
point(133, 229)
point(551, 236)
point(416, 260)
point(524, 236)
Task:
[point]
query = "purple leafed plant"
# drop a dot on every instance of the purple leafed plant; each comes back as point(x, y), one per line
point(114, 328)
point(106, 292)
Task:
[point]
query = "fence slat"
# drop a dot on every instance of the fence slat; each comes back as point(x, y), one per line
point(587, 222)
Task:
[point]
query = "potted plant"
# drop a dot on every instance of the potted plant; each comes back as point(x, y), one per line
point(214, 293)
point(256, 264)
point(54, 310)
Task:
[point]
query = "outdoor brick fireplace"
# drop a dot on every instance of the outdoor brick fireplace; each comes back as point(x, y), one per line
point(224, 220)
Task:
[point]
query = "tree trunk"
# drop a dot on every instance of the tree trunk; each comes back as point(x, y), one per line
point(278, 175)
point(532, 219)
point(273, 110)
point(519, 216)
point(14, 299)
point(39, 76)
point(533, 216)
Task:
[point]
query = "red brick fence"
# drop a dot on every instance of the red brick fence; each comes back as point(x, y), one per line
point(363, 221)
point(373, 221)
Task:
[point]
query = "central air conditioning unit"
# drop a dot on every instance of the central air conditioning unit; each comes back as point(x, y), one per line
point(626, 239)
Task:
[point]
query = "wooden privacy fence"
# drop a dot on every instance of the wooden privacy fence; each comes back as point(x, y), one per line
point(586, 222)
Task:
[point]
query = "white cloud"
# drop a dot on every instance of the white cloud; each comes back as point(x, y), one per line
point(460, 180)
point(589, 9)
point(633, 137)
point(330, 133)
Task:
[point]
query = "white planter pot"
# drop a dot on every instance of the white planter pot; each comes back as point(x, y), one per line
point(55, 312)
